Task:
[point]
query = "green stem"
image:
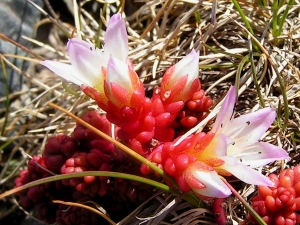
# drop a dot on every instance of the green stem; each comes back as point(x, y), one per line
point(153, 183)
point(239, 71)
point(285, 101)
point(275, 18)
point(255, 81)
point(245, 20)
point(285, 14)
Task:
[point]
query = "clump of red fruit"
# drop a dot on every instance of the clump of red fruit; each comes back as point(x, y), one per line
point(85, 151)
point(195, 109)
point(279, 205)
point(40, 196)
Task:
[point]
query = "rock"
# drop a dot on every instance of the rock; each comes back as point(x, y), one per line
point(20, 18)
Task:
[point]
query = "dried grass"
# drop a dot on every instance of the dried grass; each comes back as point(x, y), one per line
point(160, 33)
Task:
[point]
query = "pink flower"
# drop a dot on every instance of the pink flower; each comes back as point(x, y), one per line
point(232, 147)
point(244, 149)
point(88, 63)
point(181, 80)
point(191, 169)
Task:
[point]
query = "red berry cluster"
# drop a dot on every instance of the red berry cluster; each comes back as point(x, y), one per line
point(279, 205)
point(170, 119)
point(194, 111)
point(163, 117)
point(40, 196)
point(85, 151)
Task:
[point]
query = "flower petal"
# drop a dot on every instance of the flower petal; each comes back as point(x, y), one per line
point(249, 128)
point(260, 154)
point(226, 110)
point(118, 73)
point(187, 65)
point(116, 39)
point(245, 173)
point(65, 71)
point(86, 59)
point(198, 174)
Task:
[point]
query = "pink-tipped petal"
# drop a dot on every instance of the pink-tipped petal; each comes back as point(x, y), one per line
point(250, 127)
point(226, 110)
point(116, 39)
point(65, 71)
point(198, 173)
point(86, 59)
point(260, 154)
point(245, 173)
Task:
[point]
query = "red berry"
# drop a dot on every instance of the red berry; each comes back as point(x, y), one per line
point(189, 121)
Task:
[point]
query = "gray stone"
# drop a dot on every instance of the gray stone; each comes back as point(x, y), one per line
point(17, 18)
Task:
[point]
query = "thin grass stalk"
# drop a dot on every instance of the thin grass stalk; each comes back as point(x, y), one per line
point(144, 180)
point(69, 90)
point(158, 16)
point(99, 31)
point(285, 14)
point(254, 75)
point(54, 21)
point(285, 101)
point(279, 114)
point(2, 36)
point(295, 136)
point(262, 3)
point(89, 173)
point(239, 71)
point(218, 66)
point(245, 20)
point(77, 19)
point(275, 18)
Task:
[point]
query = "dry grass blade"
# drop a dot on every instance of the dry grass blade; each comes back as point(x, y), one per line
point(74, 204)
